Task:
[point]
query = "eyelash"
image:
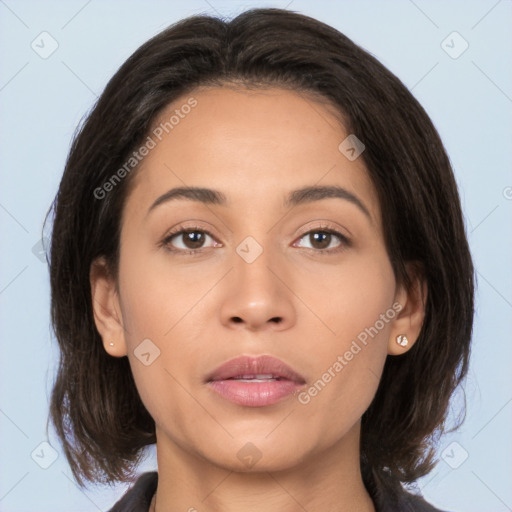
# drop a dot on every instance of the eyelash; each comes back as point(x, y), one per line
point(345, 242)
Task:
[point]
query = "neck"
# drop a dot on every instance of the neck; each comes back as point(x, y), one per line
point(328, 480)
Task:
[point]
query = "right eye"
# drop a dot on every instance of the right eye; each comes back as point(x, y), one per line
point(192, 239)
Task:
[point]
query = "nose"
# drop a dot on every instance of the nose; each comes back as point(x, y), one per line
point(258, 296)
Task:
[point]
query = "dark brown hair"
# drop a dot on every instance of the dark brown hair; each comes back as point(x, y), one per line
point(95, 406)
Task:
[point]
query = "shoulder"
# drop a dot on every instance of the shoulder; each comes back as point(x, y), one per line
point(405, 502)
point(138, 497)
point(393, 496)
point(416, 503)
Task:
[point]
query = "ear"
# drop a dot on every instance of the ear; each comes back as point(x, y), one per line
point(106, 308)
point(409, 319)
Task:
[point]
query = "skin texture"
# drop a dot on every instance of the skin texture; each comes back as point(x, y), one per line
point(202, 310)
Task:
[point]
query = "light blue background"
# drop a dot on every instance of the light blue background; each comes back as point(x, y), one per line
point(42, 101)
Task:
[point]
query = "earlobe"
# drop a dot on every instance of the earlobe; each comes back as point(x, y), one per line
point(409, 320)
point(106, 309)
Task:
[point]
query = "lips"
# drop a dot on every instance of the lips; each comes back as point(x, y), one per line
point(255, 381)
point(257, 369)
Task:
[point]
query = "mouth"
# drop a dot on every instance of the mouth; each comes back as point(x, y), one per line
point(255, 381)
point(262, 368)
point(256, 378)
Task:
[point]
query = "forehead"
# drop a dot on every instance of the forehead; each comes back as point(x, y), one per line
point(254, 143)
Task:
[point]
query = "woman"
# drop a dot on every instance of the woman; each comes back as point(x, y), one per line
point(258, 263)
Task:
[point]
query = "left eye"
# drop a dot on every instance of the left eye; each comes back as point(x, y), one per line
point(322, 238)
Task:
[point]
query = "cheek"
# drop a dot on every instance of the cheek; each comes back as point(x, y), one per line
point(356, 302)
point(159, 301)
point(351, 297)
point(156, 293)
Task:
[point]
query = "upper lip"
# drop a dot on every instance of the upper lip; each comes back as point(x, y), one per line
point(252, 366)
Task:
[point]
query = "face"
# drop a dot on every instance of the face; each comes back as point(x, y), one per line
point(304, 278)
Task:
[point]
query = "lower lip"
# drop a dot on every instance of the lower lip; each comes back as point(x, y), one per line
point(254, 394)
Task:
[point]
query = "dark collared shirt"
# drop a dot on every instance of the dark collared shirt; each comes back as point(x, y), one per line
point(138, 498)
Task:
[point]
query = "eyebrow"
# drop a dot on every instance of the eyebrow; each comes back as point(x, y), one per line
point(296, 197)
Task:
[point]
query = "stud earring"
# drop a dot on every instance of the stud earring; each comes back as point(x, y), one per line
point(111, 344)
point(402, 340)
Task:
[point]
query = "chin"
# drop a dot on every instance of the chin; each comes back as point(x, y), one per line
point(258, 457)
